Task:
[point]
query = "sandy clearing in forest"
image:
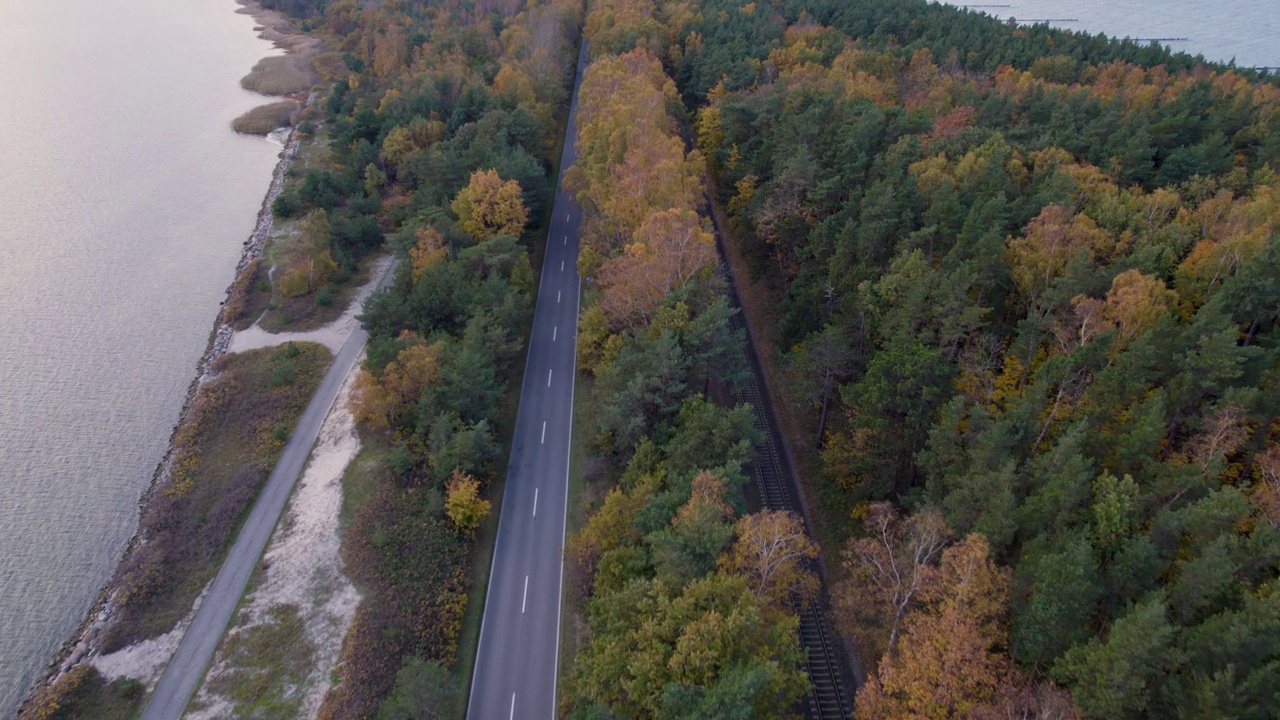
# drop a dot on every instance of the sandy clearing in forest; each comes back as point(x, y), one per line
point(303, 568)
point(331, 336)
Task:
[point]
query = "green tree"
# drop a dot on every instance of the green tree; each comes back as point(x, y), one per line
point(424, 690)
point(1064, 589)
point(1116, 677)
point(649, 643)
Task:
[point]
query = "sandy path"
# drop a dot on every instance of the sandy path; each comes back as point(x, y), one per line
point(304, 569)
point(331, 336)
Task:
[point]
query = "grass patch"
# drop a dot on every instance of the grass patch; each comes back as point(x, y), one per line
point(280, 75)
point(269, 663)
point(411, 561)
point(257, 301)
point(84, 693)
point(361, 478)
point(585, 495)
point(224, 449)
point(265, 118)
point(316, 309)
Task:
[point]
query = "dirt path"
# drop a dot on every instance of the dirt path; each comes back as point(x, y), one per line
point(303, 576)
point(331, 336)
point(195, 651)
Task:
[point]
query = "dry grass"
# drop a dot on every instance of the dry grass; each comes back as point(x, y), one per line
point(224, 449)
point(280, 75)
point(265, 118)
point(84, 693)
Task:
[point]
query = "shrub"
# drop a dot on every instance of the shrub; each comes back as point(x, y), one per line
point(280, 75)
point(287, 204)
point(265, 118)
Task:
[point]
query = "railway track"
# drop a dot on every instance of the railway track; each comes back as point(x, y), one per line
point(831, 697)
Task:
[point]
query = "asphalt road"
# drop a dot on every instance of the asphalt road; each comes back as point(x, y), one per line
point(515, 672)
point(188, 665)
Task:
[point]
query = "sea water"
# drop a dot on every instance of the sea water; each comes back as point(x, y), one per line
point(1221, 30)
point(124, 200)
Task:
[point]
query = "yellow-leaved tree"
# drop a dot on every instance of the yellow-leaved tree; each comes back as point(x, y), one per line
point(307, 262)
point(463, 504)
point(773, 551)
point(948, 662)
point(429, 250)
point(490, 206)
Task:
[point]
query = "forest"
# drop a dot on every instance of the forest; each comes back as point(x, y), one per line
point(1025, 286)
point(683, 598)
point(1018, 288)
point(1022, 294)
point(442, 135)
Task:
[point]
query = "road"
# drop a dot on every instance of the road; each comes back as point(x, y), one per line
point(188, 665)
point(515, 672)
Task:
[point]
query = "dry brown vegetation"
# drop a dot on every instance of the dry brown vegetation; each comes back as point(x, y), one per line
point(265, 118)
point(280, 75)
point(223, 451)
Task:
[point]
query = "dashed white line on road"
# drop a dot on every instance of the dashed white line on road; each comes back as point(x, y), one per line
point(535, 502)
point(561, 266)
point(557, 296)
point(513, 706)
point(555, 329)
point(544, 432)
point(525, 599)
point(566, 239)
point(548, 378)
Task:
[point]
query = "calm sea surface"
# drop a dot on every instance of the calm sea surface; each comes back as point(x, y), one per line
point(124, 200)
point(1221, 30)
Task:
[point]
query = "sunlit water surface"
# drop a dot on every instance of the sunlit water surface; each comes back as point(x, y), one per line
point(124, 200)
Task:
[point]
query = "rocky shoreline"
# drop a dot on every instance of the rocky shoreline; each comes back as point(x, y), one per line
point(81, 644)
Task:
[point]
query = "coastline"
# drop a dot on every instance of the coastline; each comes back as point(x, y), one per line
point(79, 647)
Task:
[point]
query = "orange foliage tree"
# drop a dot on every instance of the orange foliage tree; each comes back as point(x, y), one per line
point(948, 663)
point(1051, 240)
point(381, 402)
point(886, 574)
point(670, 249)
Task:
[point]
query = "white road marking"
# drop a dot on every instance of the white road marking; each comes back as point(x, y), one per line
point(535, 502)
point(566, 239)
point(525, 599)
point(555, 329)
point(557, 296)
point(561, 266)
point(513, 705)
point(566, 217)
point(548, 378)
point(544, 432)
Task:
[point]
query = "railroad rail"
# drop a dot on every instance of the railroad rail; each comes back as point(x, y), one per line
point(829, 671)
